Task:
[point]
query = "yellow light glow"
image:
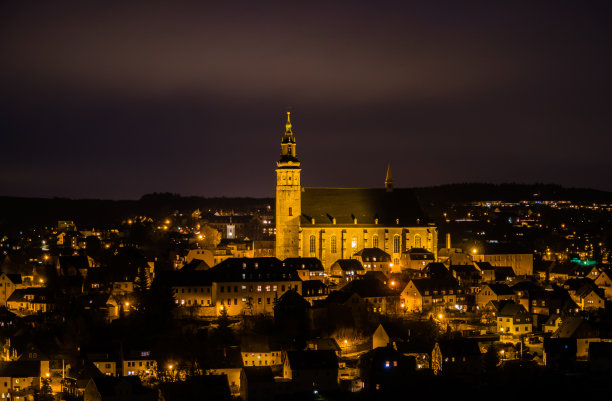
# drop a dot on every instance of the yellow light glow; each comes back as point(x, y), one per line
point(346, 341)
point(41, 281)
point(390, 264)
point(200, 236)
point(47, 375)
point(170, 367)
point(474, 250)
point(440, 316)
point(127, 304)
point(403, 306)
point(393, 283)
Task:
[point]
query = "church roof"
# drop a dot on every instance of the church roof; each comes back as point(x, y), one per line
point(392, 208)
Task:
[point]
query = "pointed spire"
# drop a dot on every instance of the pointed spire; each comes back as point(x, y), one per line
point(288, 124)
point(389, 179)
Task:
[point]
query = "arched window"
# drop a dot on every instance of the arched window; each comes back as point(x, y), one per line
point(290, 211)
point(313, 244)
point(375, 241)
point(354, 243)
point(417, 241)
point(396, 243)
point(333, 244)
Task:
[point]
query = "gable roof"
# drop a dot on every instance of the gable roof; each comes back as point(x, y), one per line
point(38, 294)
point(459, 347)
point(313, 288)
point(312, 359)
point(512, 310)
point(500, 289)
point(259, 374)
point(432, 284)
point(27, 368)
point(367, 288)
point(373, 255)
point(464, 269)
point(575, 327)
point(311, 264)
point(253, 269)
point(14, 277)
point(392, 208)
point(437, 270)
point(205, 387)
point(195, 264)
point(349, 264)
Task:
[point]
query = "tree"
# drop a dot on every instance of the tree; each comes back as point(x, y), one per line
point(45, 393)
point(223, 334)
point(141, 285)
point(491, 359)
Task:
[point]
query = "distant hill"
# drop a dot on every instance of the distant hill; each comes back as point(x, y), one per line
point(473, 192)
point(23, 213)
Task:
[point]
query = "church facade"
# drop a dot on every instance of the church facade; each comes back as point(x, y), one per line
point(336, 223)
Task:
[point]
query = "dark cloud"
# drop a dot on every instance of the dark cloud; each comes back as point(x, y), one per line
point(133, 97)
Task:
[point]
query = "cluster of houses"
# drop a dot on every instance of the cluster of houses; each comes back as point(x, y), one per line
point(551, 310)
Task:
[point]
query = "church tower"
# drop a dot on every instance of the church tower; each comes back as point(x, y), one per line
point(288, 197)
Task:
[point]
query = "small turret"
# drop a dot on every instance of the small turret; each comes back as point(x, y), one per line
point(389, 179)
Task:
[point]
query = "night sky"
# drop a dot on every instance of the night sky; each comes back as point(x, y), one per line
point(127, 98)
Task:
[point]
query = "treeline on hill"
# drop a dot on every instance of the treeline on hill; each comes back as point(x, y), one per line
point(473, 192)
point(18, 213)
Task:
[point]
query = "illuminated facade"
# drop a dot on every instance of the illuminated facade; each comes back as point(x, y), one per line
point(335, 223)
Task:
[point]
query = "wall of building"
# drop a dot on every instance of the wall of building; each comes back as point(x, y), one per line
point(350, 239)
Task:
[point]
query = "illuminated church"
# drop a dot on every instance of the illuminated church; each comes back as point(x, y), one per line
point(336, 223)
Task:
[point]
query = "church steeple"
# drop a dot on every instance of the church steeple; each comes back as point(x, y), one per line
point(288, 143)
point(389, 179)
point(288, 197)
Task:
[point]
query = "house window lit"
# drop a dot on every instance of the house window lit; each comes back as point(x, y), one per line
point(375, 241)
point(333, 244)
point(417, 241)
point(313, 244)
point(354, 243)
point(396, 244)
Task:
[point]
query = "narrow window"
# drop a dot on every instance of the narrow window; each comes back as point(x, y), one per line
point(396, 244)
point(290, 211)
point(313, 244)
point(417, 241)
point(375, 241)
point(333, 244)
